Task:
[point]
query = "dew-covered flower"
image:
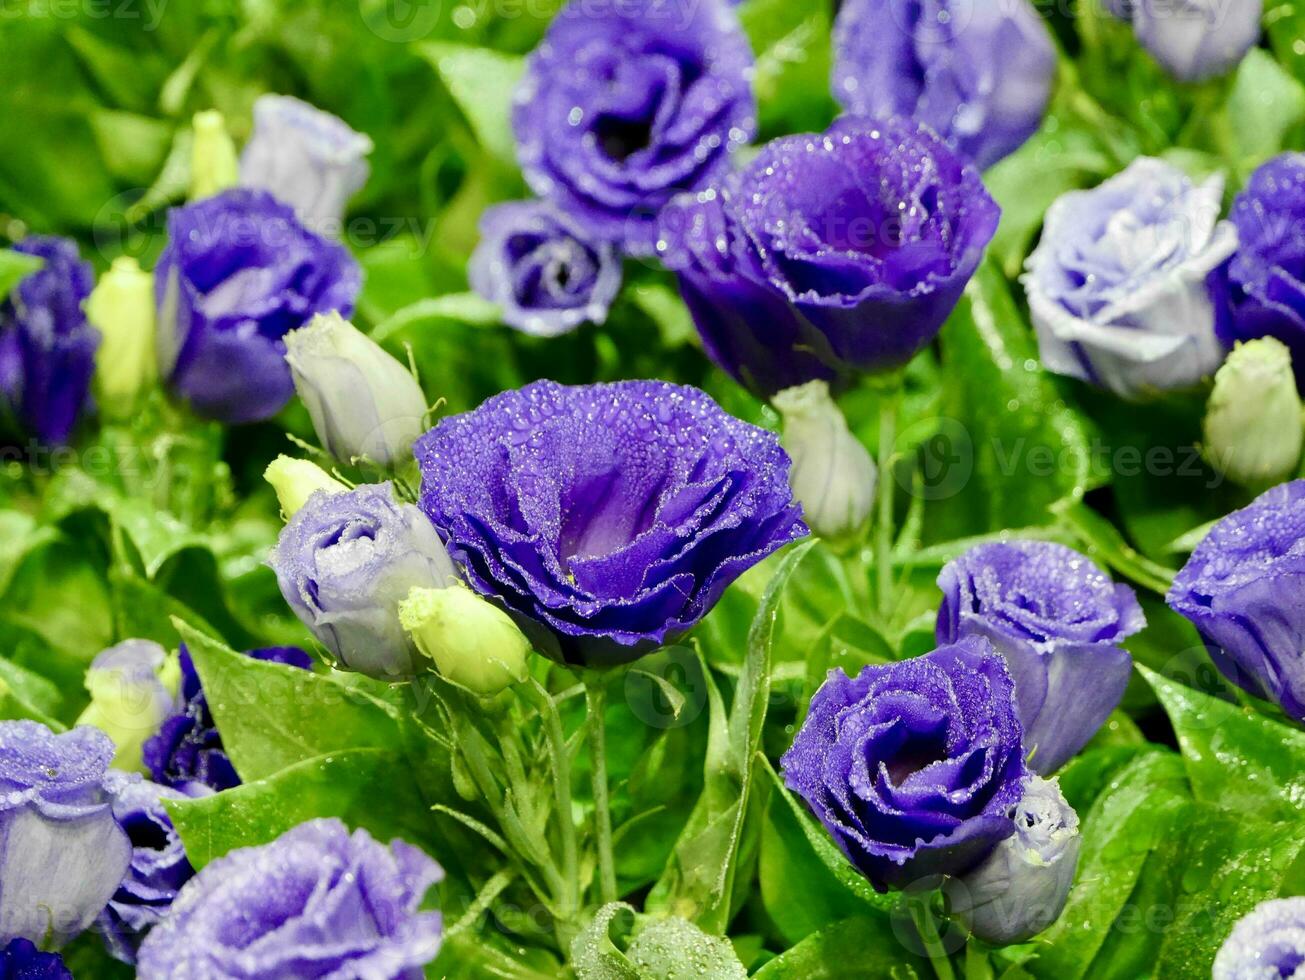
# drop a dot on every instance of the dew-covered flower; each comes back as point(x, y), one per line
point(21, 960)
point(1244, 590)
point(913, 767)
point(1022, 886)
point(625, 104)
point(1122, 285)
point(186, 753)
point(47, 347)
point(1266, 278)
point(316, 902)
point(545, 273)
point(1193, 39)
point(306, 158)
point(345, 561)
point(613, 514)
point(158, 869)
point(1059, 622)
point(239, 272)
point(829, 253)
point(62, 854)
point(977, 71)
point(133, 688)
point(363, 402)
point(1267, 943)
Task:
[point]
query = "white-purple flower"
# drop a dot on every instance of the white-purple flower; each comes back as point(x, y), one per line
point(316, 902)
point(1059, 622)
point(545, 273)
point(345, 561)
point(62, 853)
point(1267, 943)
point(1193, 39)
point(306, 158)
point(978, 71)
point(1120, 287)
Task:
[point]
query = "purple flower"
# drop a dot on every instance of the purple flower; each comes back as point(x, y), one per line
point(829, 254)
point(158, 869)
point(1244, 590)
point(625, 104)
point(913, 767)
point(613, 514)
point(21, 960)
point(1266, 943)
point(316, 902)
point(62, 854)
point(542, 269)
point(307, 158)
point(47, 348)
point(1193, 39)
point(239, 271)
point(978, 72)
point(1058, 621)
point(1120, 287)
point(187, 753)
point(345, 561)
point(1266, 278)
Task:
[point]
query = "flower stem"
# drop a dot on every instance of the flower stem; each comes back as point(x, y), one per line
point(596, 701)
point(561, 794)
point(884, 523)
point(933, 947)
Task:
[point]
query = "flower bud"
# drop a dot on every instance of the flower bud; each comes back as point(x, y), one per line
point(121, 308)
point(473, 642)
point(295, 480)
point(1022, 886)
point(833, 476)
point(1253, 426)
point(213, 166)
point(363, 402)
point(133, 688)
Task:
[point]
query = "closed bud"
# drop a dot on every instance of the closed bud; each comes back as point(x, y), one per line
point(295, 480)
point(1253, 426)
point(213, 164)
point(133, 688)
point(363, 402)
point(1022, 886)
point(473, 642)
point(833, 476)
point(121, 308)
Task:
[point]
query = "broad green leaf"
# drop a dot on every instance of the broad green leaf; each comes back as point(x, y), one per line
point(855, 949)
point(14, 268)
point(368, 788)
point(272, 716)
point(660, 948)
point(429, 313)
point(482, 82)
point(1106, 545)
point(1146, 804)
point(1265, 104)
point(792, 46)
point(1235, 758)
point(806, 882)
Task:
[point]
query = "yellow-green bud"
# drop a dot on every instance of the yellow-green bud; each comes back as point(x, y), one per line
point(1253, 427)
point(473, 642)
point(213, 164)
point(133, 688)
point(121, 308)
point(295, 480)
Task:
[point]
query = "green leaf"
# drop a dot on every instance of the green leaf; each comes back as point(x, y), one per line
point(1145, 805)
point(854, 949)
point(699, 880)
point(365, 788)
point(806, 882)
point(14, 268)
point(791, 79)
point(482, 82)
point(272, 716)
point(660, 948)
point(1105, 544)
point(1264, 105)
point(1235, 758)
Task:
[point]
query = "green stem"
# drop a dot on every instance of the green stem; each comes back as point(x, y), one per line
point(933, 947)
point(561, 794)
point(596, 700)
point(884, 523)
